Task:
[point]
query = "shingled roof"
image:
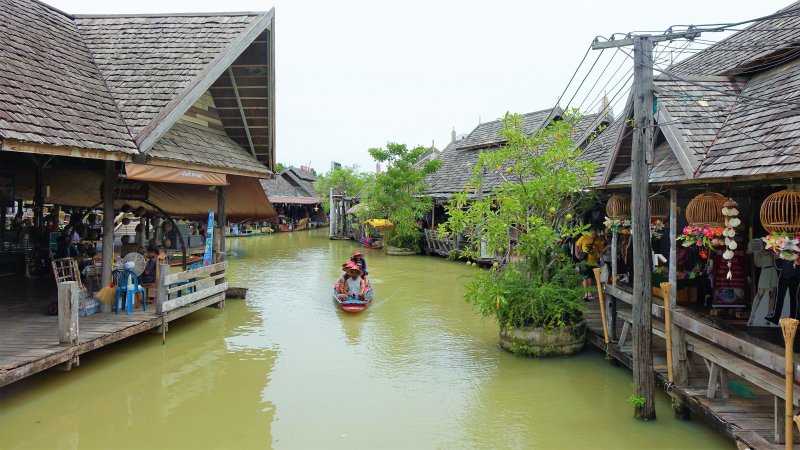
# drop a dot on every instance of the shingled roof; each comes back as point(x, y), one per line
point(757, 47)
point(150, 61)
point(303, 181)
point(601, 148)
point(50, 90)
point(487, 134)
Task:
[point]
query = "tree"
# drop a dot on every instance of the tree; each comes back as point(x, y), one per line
point(347, 180)
point(542, 191)
point(279, 167)
point(399, 193)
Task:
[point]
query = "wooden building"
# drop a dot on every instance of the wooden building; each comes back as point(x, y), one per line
point(726, 122)
point(293, 194)
point(183, 104)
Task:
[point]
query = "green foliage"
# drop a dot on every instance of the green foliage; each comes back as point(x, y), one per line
point(342, 179)
point(279, 167)
point(398, 193)
point(510, 295)
point(638, 401)
point(542, 192)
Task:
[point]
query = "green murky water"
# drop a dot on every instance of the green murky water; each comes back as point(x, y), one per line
point(286, 370)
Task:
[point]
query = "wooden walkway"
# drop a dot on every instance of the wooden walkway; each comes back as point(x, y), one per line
point(746, 416)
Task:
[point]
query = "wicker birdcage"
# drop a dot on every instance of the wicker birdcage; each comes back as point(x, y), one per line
point(780, 212)
point(659, 207)
point(619, 207)
point(705, 210)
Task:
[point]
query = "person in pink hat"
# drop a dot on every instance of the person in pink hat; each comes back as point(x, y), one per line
point(352, 285)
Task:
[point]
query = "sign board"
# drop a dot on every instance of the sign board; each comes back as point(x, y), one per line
point(730, 293)
point(209, 238)
point(6, 189)
point(133, 190)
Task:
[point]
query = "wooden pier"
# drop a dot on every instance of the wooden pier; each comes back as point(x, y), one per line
point(31, 341)
point(733, 381)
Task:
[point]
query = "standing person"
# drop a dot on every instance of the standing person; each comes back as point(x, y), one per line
point(588, 251)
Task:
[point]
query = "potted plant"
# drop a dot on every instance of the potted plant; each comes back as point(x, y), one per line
point(532, 289)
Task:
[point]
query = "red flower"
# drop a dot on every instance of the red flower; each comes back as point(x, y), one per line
point(703, 254)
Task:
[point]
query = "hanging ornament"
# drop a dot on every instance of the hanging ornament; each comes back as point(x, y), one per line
point(731, 211)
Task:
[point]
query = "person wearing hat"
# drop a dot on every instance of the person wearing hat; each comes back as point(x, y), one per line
point(358, 258)
point(353, 285)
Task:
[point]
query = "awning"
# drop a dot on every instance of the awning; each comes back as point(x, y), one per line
point(162, 174)
point(244, 196)
point(379, 223)
point(295, 200)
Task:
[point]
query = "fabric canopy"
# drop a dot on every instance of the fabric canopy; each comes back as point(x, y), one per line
point(294, 200)
point(244, 197)
point(380, 223)
point(162, 174)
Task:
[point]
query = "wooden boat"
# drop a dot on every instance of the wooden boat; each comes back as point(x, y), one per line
point(352, 305)
point(376, 245)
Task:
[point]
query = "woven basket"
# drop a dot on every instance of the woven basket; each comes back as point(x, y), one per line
point(619, 207)
point(659, 207)
point(780, 212)
point(705, 210)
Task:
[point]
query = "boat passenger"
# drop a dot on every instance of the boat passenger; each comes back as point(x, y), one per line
point(358, 257)
point(355, 286)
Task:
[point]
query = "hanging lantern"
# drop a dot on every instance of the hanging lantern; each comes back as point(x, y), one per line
point(139, 212)
point(619, 207)
point(140, 228)
point(659, 207)
point(167, 227)
point(126, 208)
point(780, 212)
point(705, 210)
point(126, 221)
point(126, 239)
point(166, 243)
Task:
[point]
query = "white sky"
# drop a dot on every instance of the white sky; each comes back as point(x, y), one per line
point(355, 74)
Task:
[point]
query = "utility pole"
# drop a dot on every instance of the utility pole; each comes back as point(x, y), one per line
point(641, 158)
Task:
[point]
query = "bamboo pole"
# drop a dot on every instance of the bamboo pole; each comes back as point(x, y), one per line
point(666, 288)
point(789, 327)
point(602, 304)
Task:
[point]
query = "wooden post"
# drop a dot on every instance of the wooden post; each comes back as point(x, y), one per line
point(601, 298)
point(666, 289)
point(789, 328)
point(680, 357)
point(108, 224)
point(222, 217)
point(643, 377)
point(69, 294)
point(161, 297)
point(220, 258)
point(614, 255)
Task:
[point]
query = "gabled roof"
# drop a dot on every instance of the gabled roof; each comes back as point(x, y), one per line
point(756, 47)
point(157, 66)
point(50, 90)
point(301, 180)
point(690, 115)
point(279, 190)
point(665, 168)
point(760, 137)
point(601, 149)
point(487, 134)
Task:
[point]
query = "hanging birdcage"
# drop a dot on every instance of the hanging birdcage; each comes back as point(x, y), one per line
point(705, 210)
point(780, 212)
point(619, 207)
point(659, 207)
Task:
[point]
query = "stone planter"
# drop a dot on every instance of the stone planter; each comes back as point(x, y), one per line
point(399, 251)
point(537, 342)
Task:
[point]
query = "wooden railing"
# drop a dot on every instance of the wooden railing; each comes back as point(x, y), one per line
point(440, 243)
point(190, 286)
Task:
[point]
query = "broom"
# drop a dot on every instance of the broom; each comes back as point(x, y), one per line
point(107, 294)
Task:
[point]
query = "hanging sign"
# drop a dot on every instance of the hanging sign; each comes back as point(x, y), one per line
point(132, 190)
point(209, 238)
point(730, 293)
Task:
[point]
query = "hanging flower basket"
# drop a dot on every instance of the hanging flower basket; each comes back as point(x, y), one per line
point(705, 211)
point(619, 207)
point(657, 228)
point(785, 245)
point(707, 239)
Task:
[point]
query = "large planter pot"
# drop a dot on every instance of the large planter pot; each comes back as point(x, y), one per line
point(399, 251)
point(537, 342)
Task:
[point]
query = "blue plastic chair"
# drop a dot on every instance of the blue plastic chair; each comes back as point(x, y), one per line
point(121, 281)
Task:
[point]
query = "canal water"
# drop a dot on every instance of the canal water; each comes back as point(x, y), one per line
point(285, 370)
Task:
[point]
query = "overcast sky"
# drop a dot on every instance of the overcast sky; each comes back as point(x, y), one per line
point(354, 75)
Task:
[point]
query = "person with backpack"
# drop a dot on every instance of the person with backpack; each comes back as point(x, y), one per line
point(588, 251)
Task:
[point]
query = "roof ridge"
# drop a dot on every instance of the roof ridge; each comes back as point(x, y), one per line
point(186, 14)
point(63, 13)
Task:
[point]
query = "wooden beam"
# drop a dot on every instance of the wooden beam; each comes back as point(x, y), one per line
point(241, 111)
point(13, 145)
point(685, 156)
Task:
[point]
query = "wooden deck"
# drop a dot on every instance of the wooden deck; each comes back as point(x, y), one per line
point(29, 339)
point(746, 416)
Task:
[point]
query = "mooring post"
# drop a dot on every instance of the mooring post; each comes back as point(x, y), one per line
point(161, 297)
point(68, 300)
point(789, 328)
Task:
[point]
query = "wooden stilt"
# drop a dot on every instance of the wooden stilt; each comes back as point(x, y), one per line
point(665, 289)
point(68, 299)
point(789, 328)
point(602, 304)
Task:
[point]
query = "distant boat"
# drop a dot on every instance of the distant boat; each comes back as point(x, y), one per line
point(352, 305)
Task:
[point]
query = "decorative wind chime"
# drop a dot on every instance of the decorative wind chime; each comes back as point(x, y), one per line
point(731, 212)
